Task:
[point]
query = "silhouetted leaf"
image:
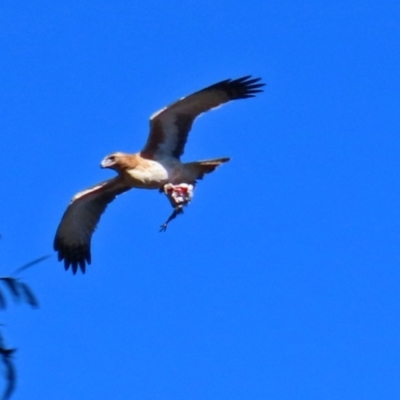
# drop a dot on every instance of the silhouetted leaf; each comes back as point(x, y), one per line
point(30, 264)
point(26, 291)
point(9, 369)
point(12, 285)
point(3, 303)
point(9, 373)
point(19, 291)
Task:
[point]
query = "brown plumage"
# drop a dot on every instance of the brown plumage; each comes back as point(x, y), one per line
point(156, 165)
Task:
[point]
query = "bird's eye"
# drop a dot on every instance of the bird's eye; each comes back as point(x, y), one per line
point(111, 158)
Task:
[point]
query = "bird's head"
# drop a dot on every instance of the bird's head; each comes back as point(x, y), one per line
point(113, 161)
point(120, 162)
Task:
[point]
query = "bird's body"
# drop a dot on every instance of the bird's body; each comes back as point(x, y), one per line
point(156, 166)
point(139, 172)
point(142, 173)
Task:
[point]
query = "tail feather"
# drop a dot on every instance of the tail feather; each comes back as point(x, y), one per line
point(200, 168)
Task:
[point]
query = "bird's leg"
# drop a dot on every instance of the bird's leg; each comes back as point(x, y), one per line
point(177, 210)
point(179, 196)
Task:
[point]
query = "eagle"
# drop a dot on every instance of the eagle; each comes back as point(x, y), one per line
point(156, 166)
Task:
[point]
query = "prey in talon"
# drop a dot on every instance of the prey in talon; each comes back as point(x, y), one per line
point(179, 196)
point(157, 166)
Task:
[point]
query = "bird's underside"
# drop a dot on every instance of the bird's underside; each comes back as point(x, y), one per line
point(156, 166)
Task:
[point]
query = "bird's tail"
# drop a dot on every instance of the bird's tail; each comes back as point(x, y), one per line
point(200, 168)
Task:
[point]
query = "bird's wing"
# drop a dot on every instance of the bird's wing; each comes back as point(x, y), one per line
point(73, 236)
point(169, 127)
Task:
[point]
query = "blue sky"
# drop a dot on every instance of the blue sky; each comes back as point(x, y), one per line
point(281, 281)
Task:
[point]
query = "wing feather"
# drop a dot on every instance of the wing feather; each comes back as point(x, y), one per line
point(169, 127)
point(74, 234)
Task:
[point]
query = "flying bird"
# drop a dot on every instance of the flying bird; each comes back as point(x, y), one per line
point(156, 166)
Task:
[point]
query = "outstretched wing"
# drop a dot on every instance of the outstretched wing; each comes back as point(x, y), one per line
point(74, 234)
point(169, 127)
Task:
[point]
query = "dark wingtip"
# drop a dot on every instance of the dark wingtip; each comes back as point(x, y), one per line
point(75, 257)
point(241, 88)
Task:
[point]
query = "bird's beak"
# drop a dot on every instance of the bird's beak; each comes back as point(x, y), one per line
point(106, 163)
